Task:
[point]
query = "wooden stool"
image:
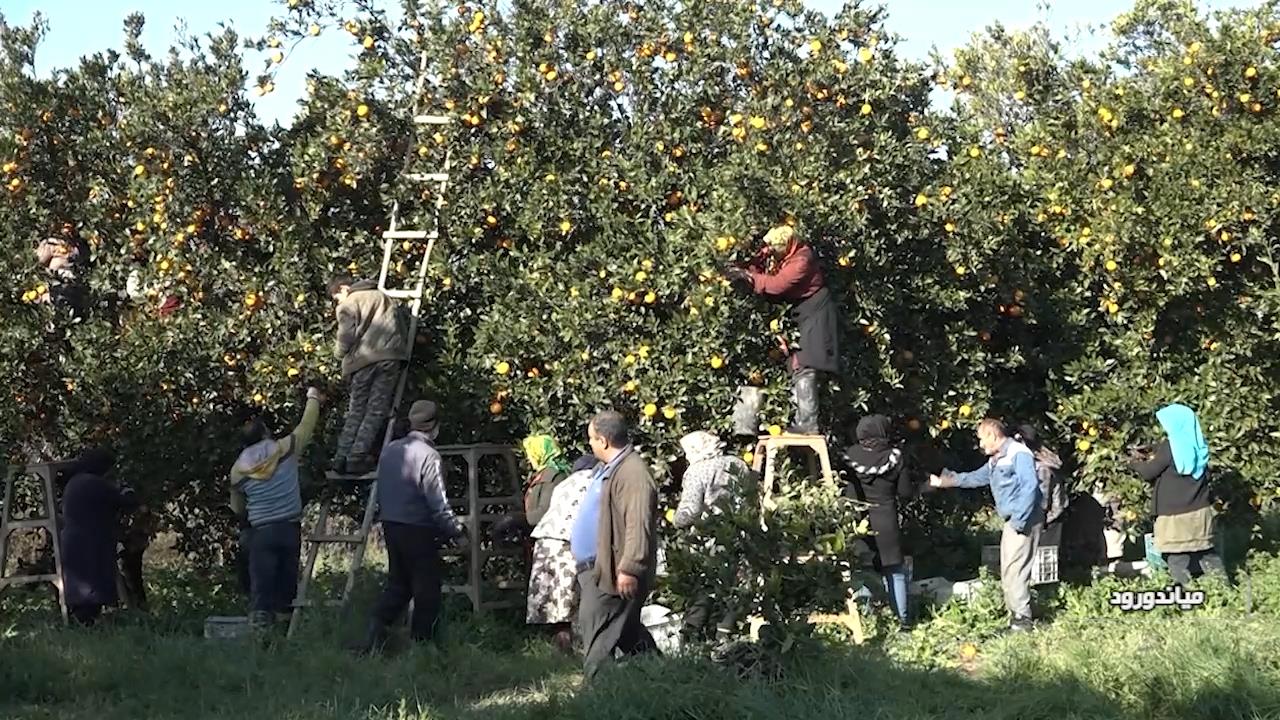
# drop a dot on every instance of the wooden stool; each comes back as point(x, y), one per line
point(767, 448)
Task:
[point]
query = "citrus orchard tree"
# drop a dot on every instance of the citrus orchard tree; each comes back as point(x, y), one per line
point(1148, 177)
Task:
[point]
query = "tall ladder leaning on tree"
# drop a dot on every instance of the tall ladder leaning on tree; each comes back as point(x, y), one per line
point(323, 534)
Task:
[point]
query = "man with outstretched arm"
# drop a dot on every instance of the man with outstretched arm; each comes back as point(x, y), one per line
point(1010, 472)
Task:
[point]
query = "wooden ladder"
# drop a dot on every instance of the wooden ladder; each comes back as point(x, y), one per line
point(322, 534)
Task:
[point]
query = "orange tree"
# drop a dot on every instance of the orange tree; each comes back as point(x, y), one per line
point(203, 300)
point(1148, 230)
point(611, 160)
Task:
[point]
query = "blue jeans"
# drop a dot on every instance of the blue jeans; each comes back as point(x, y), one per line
point(273, 566)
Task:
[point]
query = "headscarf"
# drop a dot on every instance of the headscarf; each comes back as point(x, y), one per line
point(94, 461)
point(543, 453)
point(586, 462)
point(701, 445)
point(873, 454)
point(780, 237)
point(1186, 440)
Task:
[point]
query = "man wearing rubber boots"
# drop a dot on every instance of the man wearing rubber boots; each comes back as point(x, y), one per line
point(797, 278)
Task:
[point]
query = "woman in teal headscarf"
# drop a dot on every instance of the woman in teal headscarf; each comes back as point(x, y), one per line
point(1185, 518)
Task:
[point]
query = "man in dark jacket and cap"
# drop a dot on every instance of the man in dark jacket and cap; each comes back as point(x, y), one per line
point(416, 521)
point(798, 280)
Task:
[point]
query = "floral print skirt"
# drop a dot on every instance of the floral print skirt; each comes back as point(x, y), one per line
point(553, 587)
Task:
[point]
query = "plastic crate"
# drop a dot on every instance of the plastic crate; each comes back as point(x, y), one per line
point(1044, 567)
point(226, 628)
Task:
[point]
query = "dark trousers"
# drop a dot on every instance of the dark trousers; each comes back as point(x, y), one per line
point(243, 549)
point(610, 623)
point(413, 573)
point(371, 391)
point(1184, 566)
point(699, 614)
point(273, 566)
point(85, 615)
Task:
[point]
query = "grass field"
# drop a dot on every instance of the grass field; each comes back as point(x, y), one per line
point(1087, 661)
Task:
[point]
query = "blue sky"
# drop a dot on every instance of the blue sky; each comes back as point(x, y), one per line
point(82, 26)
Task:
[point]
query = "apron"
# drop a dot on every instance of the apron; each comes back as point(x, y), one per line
point(817, 320)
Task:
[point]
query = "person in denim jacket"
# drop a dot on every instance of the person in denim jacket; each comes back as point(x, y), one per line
point(1010, 472)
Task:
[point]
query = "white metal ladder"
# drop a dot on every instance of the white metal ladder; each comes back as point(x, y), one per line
point(323, 535)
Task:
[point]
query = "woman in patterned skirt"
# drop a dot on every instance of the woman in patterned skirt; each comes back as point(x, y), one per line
point(553, 598)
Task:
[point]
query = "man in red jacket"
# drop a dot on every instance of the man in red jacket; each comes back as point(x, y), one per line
point(797, 279)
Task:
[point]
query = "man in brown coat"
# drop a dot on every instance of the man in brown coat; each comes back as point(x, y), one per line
point(371, 346)
point(614, 541)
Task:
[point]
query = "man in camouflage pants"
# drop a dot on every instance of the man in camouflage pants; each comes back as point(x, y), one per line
point(371, 345)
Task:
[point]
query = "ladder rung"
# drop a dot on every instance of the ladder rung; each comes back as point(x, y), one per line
point(28, 524)
point(409, 235)
point(400, 295)
point(29, 579)
point(348, 539)
point(432, 119)
point(428, 177)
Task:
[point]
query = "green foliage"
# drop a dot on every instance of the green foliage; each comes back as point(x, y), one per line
point(1075, 241)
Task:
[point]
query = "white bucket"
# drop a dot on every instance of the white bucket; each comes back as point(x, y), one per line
point(663, 625)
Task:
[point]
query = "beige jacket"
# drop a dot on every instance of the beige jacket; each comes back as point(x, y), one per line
point(368, 331)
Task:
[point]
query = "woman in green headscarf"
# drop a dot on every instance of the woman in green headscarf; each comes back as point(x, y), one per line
point(549, 469)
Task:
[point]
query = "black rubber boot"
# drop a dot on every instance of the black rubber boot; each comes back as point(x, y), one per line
point(375, 639)
point(804, 394)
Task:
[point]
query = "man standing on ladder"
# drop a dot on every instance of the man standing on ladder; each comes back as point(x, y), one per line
point(798, 280)
point(371, 346)
point(416, 520)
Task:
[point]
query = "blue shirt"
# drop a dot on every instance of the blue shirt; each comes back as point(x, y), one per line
point(1011, 475)
point(586, 528)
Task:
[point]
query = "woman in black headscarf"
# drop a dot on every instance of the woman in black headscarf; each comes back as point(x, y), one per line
point(91, 507)
point(880, 478)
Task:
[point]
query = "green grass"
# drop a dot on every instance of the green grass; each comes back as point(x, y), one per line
point(1089, 662)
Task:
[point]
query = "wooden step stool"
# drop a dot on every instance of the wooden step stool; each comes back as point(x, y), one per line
point(767, 449)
